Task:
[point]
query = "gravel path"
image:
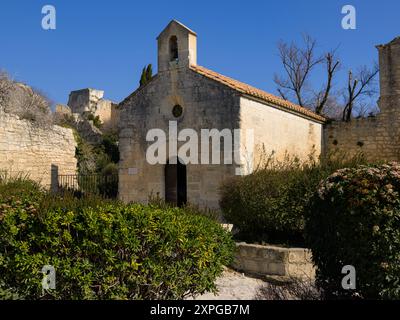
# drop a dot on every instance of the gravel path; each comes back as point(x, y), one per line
point(233, 285)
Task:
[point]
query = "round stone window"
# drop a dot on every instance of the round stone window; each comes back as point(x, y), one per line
point(177, 111)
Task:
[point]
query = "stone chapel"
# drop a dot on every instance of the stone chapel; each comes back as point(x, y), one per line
point(196, 98)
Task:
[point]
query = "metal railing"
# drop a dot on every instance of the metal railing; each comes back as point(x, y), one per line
point(103, 185)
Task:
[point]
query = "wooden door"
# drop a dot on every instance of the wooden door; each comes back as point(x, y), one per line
point(171, 183)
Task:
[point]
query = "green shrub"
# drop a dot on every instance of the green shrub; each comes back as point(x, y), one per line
point(108, 186)
point(156, 201)
point(96, 120)
point(110, 145)
point(19, 189)
point(355, 220)
point(107, 250)
point(269, 205)
point(86, 155)
point(7, 293)
point(70, 200)
point(91, 158)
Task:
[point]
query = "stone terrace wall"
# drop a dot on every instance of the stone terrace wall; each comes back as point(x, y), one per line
point(274, 261)
point(37, 152)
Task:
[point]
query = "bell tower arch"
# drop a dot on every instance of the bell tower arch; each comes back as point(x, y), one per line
point(177, 47)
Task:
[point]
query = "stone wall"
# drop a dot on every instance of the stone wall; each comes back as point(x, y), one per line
point(274, 261)
point(108, 113)
point(209, 101)
point(103, 111)
point(377, 138)
point(37, 152)
point(88, 131)
point(205, 103)
point(279, 133)
point(84, 100)
point(115, 118)
point(186, 45)
point(63, 110)
point(91, 100)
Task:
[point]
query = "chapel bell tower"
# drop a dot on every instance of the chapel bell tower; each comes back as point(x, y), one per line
point(177, 47)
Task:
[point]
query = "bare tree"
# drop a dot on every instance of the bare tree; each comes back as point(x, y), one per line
point(332, 66)
point(334, 107)
point(299, 63)
point(363, 109)
point(359, 85)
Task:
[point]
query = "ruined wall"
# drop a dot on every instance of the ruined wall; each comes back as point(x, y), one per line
point(377, 138)
point(63, 110)
point(84, 100)
point(115, 117)
point(107, 111)
point(27, 149)
point(103, 111)
point(91, 100)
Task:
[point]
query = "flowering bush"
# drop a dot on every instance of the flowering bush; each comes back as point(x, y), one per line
point(354, 220)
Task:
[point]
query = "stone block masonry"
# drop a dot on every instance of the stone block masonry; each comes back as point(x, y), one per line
point(375, 138)
point(91, 100)
point(274, 261)
point(40, 153)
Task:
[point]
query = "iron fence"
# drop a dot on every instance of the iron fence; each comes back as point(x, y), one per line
point(103, 185)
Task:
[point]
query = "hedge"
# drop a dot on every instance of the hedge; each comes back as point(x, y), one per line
point(269, 205)
point(104, 249)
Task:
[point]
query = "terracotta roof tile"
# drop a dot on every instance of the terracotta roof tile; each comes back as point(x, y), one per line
point(252, 91)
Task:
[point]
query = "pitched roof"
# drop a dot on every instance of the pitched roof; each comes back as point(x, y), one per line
point(180, 24)
point(140, 88)
point(257, 93)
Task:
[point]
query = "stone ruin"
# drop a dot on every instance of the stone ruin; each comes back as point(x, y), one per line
point(85, 102)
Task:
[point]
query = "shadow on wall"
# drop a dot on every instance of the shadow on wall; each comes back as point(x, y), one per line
point(54, 178)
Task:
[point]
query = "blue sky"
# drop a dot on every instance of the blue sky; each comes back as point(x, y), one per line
point(105, 44)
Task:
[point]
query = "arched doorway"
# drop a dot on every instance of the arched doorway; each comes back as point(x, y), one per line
point(175, 183)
